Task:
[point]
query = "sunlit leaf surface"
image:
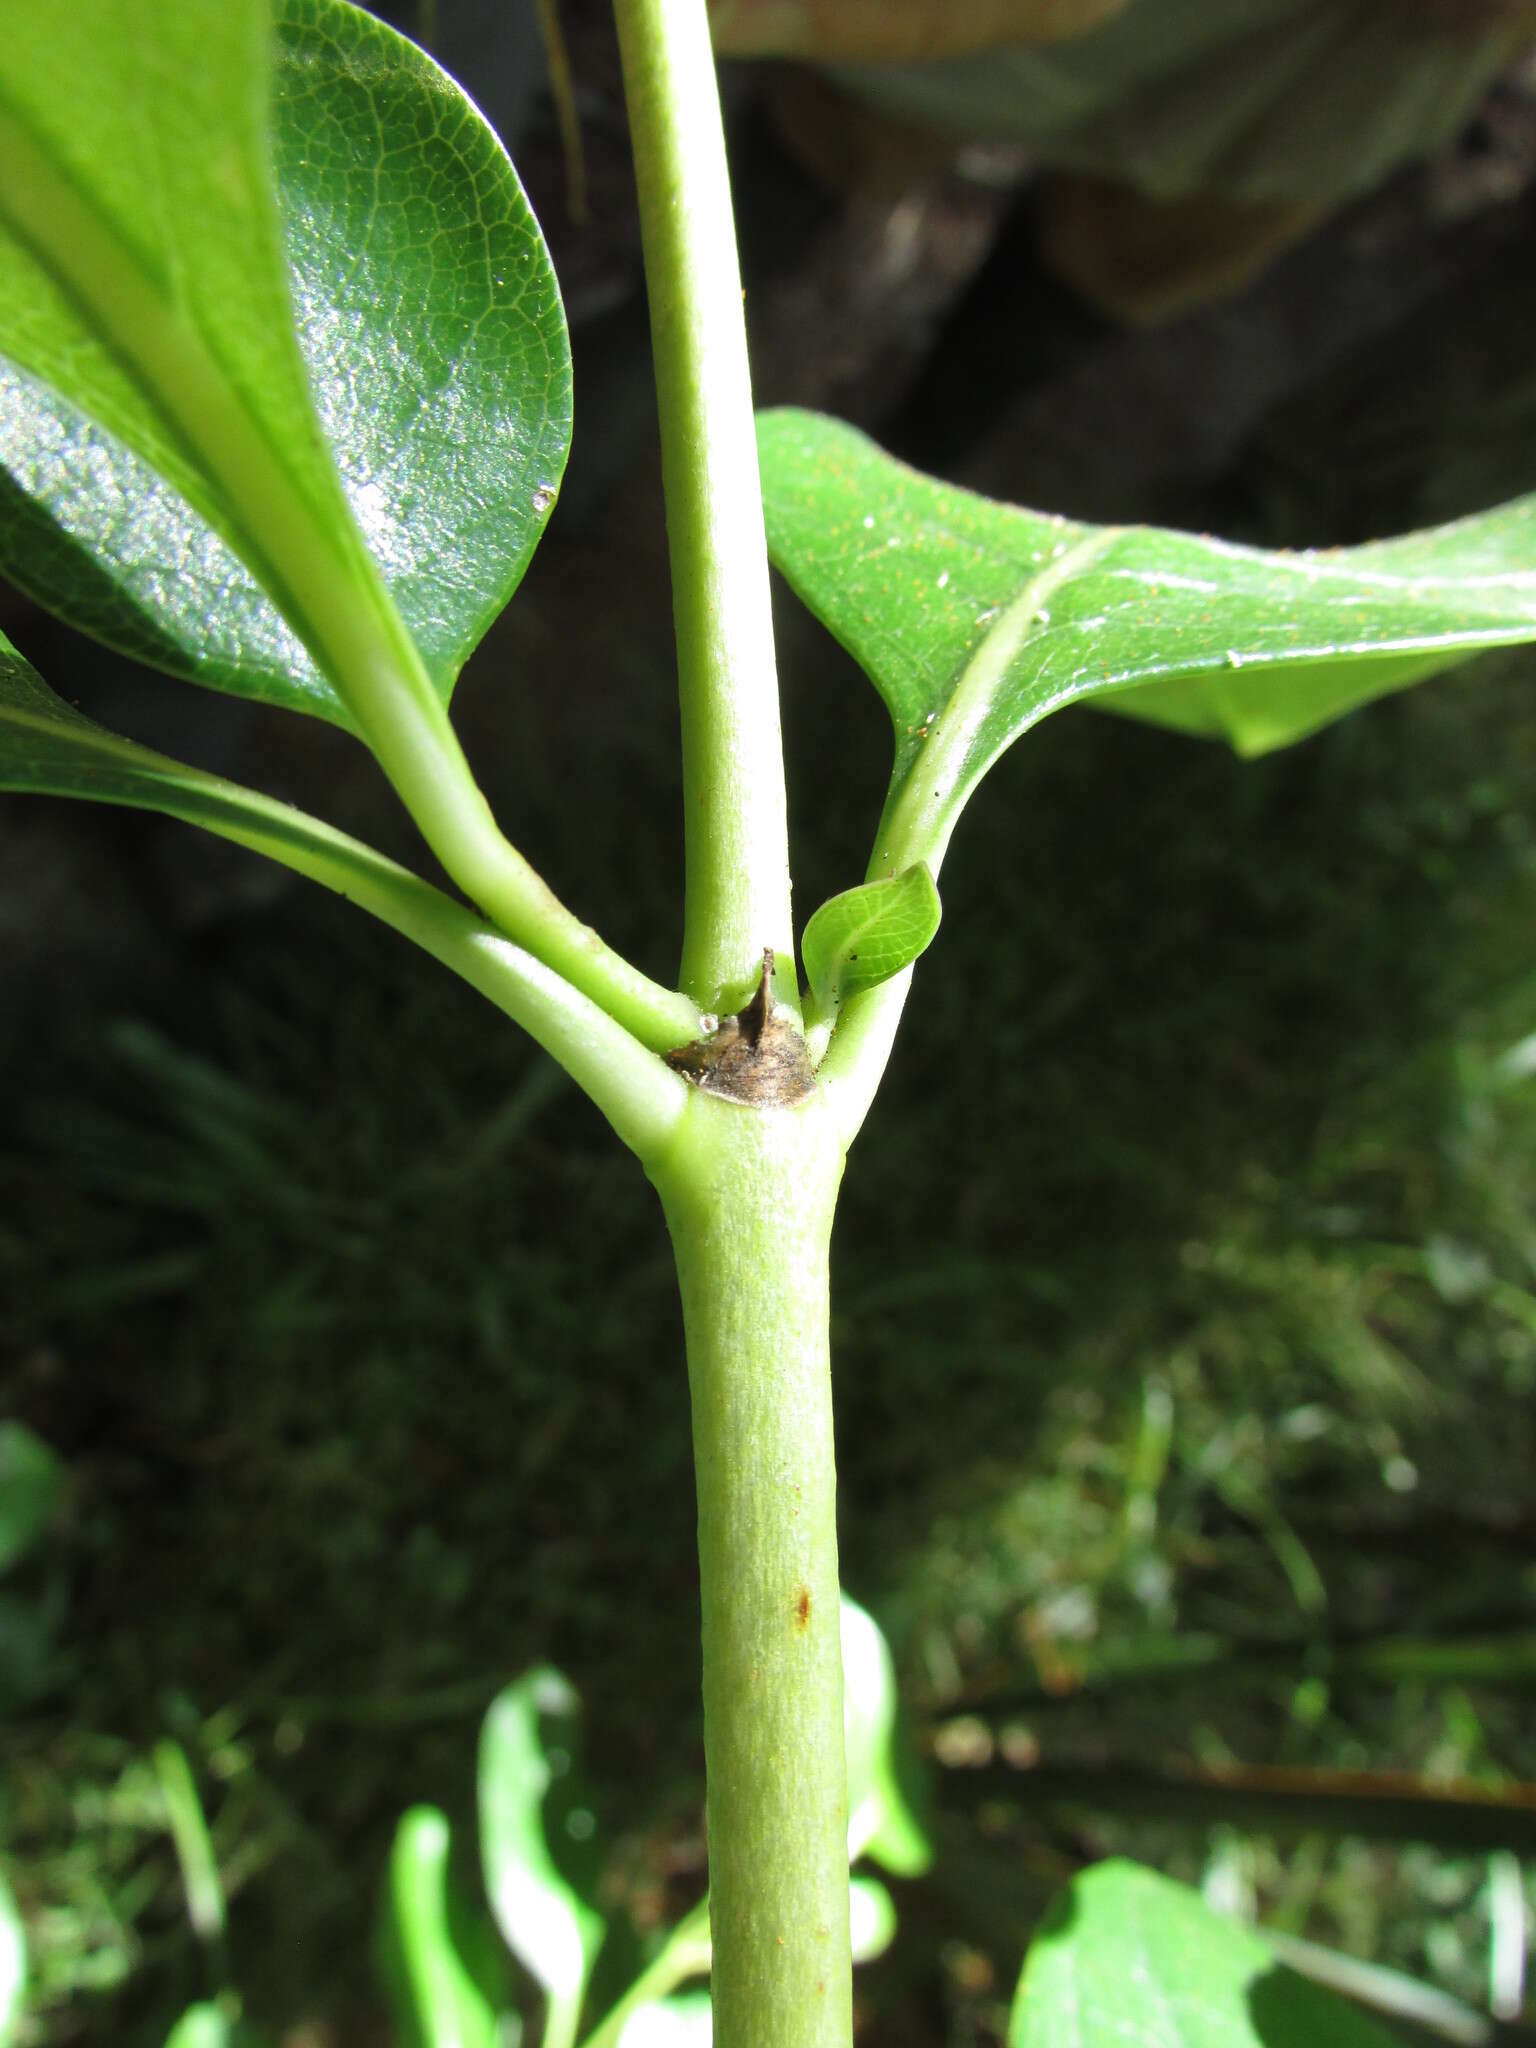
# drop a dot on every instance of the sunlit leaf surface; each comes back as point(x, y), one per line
point(1128, 1959)
point(974, 620)
point(430, 335)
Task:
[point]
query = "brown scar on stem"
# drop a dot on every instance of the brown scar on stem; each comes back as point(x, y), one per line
point(757, 1056)
point(803, 1607)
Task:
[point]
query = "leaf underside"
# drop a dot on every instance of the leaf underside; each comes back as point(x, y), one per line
point(1128, 1959)
point(974, 620)
point(431, 339)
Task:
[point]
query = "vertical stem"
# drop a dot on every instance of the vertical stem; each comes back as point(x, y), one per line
point(733, 768)
point(748, 1192)
point(749, 1195)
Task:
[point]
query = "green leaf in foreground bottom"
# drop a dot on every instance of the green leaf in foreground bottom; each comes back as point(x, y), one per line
point(685, 2020)
point(975, 620)
point(861, 938)
point(529, 1795)
point(880, 1820)
point(435, 1988)
point(201, 2026)
point(871, 1918)
point(681, 2022)
point(430, 338)
point(1127, 1959)
point(13, 1963)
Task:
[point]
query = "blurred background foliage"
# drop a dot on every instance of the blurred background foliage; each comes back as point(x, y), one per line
point(1185, 1279)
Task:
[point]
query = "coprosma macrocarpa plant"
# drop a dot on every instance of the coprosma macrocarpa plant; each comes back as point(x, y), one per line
point(285, 400)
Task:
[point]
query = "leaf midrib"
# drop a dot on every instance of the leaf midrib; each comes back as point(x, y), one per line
point(258, 493)
point(918, 828)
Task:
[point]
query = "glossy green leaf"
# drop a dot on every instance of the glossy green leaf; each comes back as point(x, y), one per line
point(1127, 1959)
point(865, 935)
point(974, 620)
point(530, 1811)
point(880, 1821)
point(439, 2001)
point(160, 464)
point(31, 1483)
point(13, 1964)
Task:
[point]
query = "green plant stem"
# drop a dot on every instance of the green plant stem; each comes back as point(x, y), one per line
point(917, 827)
point(749, 1195)
point(638, 1093)
point(859, 1051)
point(313, 562)
point(866, 1025)
point(687, 1954)
point(737, 849)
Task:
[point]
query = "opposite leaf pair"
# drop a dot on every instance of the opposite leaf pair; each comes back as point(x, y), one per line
point(285, 402)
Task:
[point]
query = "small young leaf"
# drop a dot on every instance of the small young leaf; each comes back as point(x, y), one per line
point(528, 1797)
point(1127, 1959)
point(975, 620)
point(430, 336)
point(438, 1998)
point(864, 936)
point(13, 1964)
point(880, 1822)
point(31, 1475)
